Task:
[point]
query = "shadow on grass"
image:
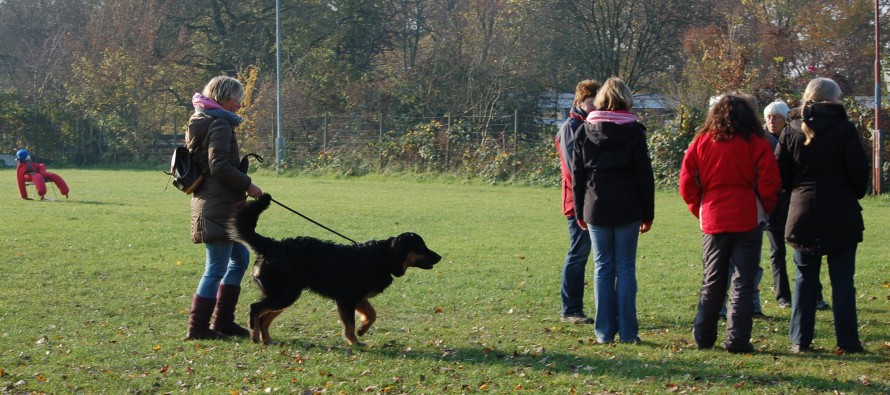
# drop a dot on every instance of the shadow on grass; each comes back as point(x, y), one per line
point(96, 203)
point(719, 369)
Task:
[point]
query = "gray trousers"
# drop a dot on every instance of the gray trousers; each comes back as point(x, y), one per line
point(741, 251)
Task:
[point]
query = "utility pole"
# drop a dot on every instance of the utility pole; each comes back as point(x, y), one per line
point(279, 151)
point(876, 143)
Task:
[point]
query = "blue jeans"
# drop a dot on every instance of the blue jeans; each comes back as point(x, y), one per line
point(720, 252)
point(226, 262)
point(841, 268)
point(572, 289)
point(615, 281)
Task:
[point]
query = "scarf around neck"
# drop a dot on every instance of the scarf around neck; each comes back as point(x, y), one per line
point(616, 117)
point(206, 105)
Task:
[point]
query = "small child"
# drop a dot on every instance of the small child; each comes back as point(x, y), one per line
point(37, 174)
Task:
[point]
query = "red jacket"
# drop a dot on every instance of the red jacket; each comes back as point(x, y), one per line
point(719, 180)
point(565, 142)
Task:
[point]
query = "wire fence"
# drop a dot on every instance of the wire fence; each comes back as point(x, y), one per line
point(322, 133)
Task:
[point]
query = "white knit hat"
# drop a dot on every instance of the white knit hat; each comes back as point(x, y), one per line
point(776, 108)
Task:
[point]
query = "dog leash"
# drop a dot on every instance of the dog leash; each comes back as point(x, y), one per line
point(313, 221)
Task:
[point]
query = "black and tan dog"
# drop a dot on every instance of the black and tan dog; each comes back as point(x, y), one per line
point(348, 274)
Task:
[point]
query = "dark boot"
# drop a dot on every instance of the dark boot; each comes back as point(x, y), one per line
point(199, 320)
point(224, 320)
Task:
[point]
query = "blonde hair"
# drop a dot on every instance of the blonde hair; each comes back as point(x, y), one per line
point(819, 90)
point(222, 88)
point(614, 96)
point(585, 89)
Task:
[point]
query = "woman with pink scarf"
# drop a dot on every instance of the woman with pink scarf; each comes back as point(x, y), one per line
point(614, 191)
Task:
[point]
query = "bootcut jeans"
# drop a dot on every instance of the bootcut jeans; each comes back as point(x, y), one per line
point(841, 269)
point(615, 281)
point(573, 269)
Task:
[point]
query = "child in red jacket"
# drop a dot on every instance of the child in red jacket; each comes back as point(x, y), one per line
point(35, 173)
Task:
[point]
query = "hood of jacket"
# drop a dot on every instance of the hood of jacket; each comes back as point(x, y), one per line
point(823, 117)
point(610, 135)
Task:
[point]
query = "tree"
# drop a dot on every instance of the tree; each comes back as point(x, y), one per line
point(637, 40)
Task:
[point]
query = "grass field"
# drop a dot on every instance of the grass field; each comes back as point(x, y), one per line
point(95, 290)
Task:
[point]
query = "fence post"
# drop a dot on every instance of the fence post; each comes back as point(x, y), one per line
point(380, 160)
point(447, 138)
point(324, 135)
point(516, 131)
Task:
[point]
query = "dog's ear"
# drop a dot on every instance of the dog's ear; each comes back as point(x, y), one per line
point(400, 246)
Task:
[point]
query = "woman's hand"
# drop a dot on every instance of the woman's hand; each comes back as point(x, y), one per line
point(254, 191)
point(582, 224)
point(645, 226)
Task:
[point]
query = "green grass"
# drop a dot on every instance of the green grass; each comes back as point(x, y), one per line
point(95, 290)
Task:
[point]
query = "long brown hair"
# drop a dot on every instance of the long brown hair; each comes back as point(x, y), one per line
point(731, 116)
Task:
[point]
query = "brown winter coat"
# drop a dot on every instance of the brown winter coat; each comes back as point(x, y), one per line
point(214, 146)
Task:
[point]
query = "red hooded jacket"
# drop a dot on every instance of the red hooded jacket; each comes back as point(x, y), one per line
point(565, 143)
point(719, 180)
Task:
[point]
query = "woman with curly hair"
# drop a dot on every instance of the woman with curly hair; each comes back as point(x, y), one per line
point(729, 179)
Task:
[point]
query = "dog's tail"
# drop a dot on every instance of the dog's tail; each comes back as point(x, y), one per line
point(244, 227)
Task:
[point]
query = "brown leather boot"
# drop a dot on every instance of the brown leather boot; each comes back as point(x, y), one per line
point(224, 320)
point(199, 320)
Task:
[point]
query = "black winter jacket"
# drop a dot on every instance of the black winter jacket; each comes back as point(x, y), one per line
point(613, 182)
point(826, 178)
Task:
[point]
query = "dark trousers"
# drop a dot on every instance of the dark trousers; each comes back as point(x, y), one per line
point(719, 252)
point(776, 238)
point(841, 268)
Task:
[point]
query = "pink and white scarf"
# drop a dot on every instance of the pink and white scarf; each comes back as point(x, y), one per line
point(616, 117)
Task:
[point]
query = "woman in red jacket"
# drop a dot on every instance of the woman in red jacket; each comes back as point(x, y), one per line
point(28, 171)
point(728, 172)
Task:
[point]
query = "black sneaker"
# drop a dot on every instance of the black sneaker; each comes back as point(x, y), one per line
point(821, 305)
point(783, 303)
point(760, 316)
point(854, 349)
point(743, 349)
point(577, 319)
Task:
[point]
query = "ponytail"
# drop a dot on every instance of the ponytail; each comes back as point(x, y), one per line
point(809, 133)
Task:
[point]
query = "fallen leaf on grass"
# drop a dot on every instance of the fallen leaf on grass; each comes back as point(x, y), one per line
point(165, 368)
